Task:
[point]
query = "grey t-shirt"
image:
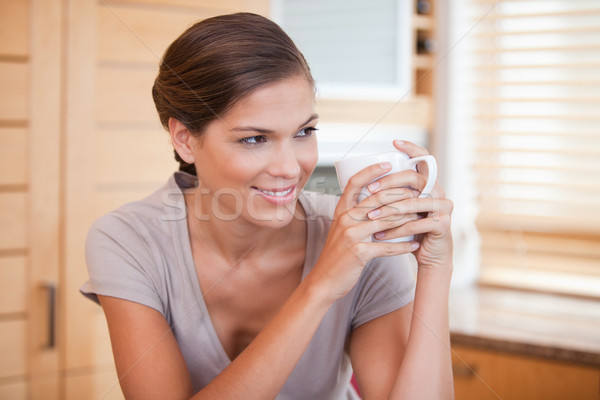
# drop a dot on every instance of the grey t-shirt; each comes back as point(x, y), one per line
point(141, 252)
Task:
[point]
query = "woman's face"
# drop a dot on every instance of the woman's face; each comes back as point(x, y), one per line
point(253, 162)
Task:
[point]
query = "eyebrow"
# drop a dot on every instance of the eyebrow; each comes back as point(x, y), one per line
point(262, 130)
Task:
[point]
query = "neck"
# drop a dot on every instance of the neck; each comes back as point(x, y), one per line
point(237, 238)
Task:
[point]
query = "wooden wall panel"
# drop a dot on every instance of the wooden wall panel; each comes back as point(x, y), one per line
point(14, 90)
point(125, 95)
point(13, 220)
point(412, 111)
point(14, 114)
point(224, 6)
point(14, 390)
point(133, 156)
point(14, 28)
point(13, 156)
point(13, 276)
point(96, 385)
point(78, 192)
point(218, 7)
point(44, 192)
point(109, 199)
point(141, 34)
point(13, 348)
point(102, 351)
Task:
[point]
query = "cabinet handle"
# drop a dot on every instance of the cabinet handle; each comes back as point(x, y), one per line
point(464, 370)
point(51, 303)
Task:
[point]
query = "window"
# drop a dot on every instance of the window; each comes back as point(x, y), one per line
point(533, 71)
point(355, 48)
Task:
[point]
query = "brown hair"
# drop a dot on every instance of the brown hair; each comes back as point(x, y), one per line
point(217, 62)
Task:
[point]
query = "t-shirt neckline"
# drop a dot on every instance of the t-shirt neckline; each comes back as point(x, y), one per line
point(183, 180)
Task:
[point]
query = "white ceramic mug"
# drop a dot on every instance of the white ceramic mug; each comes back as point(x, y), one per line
point(400, 161)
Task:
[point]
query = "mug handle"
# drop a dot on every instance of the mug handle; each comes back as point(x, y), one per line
point(432, 169)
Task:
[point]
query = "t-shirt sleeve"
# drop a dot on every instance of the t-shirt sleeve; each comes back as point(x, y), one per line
point(386, 284)
point(121, 263)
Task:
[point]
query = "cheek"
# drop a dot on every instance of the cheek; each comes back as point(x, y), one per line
point(241, 167)
point(308, 156)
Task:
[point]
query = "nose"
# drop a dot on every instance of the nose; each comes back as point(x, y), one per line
point(284, 163)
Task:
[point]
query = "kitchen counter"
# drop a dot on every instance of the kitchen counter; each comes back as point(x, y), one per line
point(554, 327)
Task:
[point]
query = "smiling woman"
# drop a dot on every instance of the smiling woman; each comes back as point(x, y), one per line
point(262, 151)
point(259, 289)
point(204, 72)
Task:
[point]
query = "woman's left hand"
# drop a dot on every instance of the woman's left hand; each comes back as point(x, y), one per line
point(427, 217)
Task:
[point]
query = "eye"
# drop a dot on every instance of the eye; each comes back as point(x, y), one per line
point(254, 139)
point(306, 132)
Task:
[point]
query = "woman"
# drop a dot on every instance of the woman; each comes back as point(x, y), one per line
point(232, 283)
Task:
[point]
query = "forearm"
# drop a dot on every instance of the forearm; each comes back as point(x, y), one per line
point(426, 370)
point(261, 370)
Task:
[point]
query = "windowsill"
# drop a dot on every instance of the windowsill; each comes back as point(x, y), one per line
point(548, 326)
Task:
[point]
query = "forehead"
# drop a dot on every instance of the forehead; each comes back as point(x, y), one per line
point(292, 98)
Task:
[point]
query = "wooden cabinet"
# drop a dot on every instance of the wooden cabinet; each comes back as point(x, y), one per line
point(29, 196)
point(481, 374)
point(78, 136)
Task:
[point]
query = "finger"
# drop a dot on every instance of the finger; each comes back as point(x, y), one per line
point(436, 225)
point(403, 179)
point(355, 184)
point(392, 224)
point(370, 250)
point(389, 212)
point(363, 230)
point(410, 148)
point(408, 178)
point(368, 174)
point(413, 151)
point(428, 205)
point(374, 208)
point(382, 198)
point(436, 192)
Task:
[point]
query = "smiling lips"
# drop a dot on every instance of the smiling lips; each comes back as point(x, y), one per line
point(278, 196)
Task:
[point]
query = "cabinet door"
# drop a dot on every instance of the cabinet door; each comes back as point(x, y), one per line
point(14, 106)
point(484, 375)
point(30, 35)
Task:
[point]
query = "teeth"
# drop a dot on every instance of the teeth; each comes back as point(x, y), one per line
point(277, 194)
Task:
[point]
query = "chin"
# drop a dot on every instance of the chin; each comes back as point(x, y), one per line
point(274, 217)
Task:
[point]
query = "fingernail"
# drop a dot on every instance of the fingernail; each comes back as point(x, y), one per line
point(379, 235)
point(415, 245)
point(399, 142)
point(373, 186)
point(385, 165)
point(374, 214)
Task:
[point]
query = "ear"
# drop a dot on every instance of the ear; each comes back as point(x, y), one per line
point(182, 140)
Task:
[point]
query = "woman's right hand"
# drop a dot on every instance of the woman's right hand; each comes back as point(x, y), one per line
point(349, 244)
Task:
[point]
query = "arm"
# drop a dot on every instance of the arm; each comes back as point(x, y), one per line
point(376, 350)
point(413, 344)
point(406, 354)
point(150, 365)
point(149, 362)
point(426, 370)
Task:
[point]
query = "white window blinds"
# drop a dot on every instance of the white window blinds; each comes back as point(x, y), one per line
point(535, 75)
